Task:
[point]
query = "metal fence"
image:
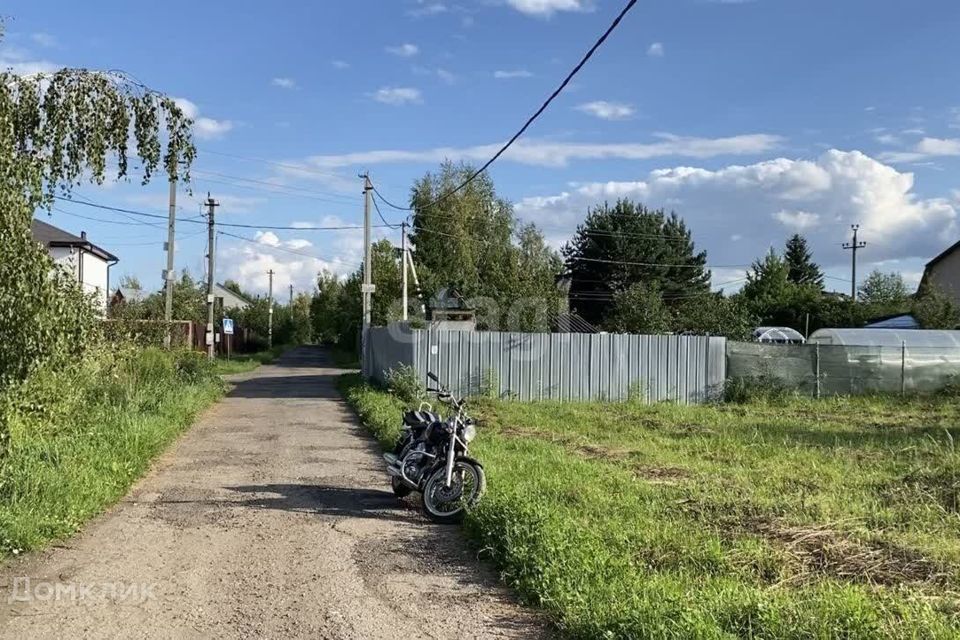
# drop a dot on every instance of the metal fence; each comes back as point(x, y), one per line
point(824, 370)
point(559, 366)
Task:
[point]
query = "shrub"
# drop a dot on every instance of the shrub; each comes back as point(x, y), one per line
point(405, 384)
point(755, 388)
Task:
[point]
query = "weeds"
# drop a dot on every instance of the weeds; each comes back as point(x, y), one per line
point(80, 435)
point(788, 519)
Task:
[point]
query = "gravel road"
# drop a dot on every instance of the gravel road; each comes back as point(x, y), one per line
point(272, 517)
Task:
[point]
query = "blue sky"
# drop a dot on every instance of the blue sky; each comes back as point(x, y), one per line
point(751, 119)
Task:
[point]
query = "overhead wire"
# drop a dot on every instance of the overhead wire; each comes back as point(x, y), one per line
point(563, 85)
point(283, 249)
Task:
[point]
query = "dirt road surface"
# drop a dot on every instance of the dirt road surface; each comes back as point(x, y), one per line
point(271, 518)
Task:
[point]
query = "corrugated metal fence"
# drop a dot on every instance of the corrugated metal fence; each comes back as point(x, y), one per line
point(558, 366)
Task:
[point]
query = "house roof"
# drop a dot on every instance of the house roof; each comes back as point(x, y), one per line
point(131, 295)
point(946, 252)
point(219, 288)
point(51, 236)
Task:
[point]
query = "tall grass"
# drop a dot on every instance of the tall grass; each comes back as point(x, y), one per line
point(786, 519)
point(79, 437)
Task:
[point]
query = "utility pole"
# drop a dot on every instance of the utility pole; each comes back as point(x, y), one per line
point(168, 274)
point(291, 294)
point(403, 262)
point(211, 252)
point(270, 311)
point(367, 287)
point(854, 246)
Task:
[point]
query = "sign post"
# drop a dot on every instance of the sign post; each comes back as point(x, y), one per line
point(228, 333)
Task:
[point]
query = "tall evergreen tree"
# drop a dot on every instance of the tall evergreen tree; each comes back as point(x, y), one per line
point(801, 267)
point(626, 244)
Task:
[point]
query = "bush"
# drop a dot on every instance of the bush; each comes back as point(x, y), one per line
point(749, 389)
point(405, 384)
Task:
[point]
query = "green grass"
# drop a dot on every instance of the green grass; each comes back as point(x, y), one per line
point(79, 438)
point(242, 363)
point(804, 519)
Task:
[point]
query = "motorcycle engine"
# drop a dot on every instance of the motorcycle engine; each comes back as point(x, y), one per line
point(414, 463)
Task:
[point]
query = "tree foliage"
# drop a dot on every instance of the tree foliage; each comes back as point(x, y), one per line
point(774, 299)
point(470, 240)
point(801, 269)
point(617, 247)
point(934, 309)
point(884, 293)
point(639, 309)
point(56, 131)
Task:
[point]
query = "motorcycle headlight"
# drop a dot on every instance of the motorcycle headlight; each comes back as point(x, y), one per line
point(469, 433)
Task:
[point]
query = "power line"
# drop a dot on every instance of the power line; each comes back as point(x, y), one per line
point(388, 203)
point(539, 111)
point(219, 224)
point(377, 207)
point(288, 190)
point(283, 249)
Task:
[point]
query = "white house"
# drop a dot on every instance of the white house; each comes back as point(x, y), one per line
point(229, 299)
point(85, 261)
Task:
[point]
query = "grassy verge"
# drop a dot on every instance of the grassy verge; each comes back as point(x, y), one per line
point(345, 358)
point(242, 363)
point(801, 519)
point(79, 438)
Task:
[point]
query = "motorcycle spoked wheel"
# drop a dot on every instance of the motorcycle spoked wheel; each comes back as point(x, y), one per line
point(450, 505)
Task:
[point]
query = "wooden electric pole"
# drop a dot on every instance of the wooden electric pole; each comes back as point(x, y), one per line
point(854, 246)
point(168, 274)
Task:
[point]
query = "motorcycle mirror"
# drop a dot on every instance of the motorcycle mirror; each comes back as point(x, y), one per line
point(433, 377)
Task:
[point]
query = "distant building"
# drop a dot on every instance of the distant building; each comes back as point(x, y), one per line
point(893, 321)
point(127, 295)
point(79, 257)
point(229, 299)
point(944, 273)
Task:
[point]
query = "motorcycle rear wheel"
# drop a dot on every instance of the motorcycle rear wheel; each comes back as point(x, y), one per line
point(469, 481)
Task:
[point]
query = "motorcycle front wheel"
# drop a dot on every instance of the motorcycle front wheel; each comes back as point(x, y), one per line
point(450, 504)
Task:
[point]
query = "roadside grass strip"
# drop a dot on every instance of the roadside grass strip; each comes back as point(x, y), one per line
point(804, 519)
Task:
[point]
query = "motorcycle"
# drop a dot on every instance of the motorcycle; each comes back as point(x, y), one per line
point(431, 456)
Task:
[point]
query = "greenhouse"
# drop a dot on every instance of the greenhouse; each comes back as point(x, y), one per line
point(778, 335)
point(887, 338)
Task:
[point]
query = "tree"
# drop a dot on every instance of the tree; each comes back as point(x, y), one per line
point(774, 299)
point(934, 309)
point(639, 309)
point(884, 293)
point(234, 286)
point(620, 246)
point(55, 131)
point(801, 269)
point(325, 308)
point(130, 282)
point(386, 301)
point(715, 314)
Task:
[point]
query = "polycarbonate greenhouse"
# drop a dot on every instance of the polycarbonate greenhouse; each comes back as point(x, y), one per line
point(778, 335)
point(854, 361)
point(912, 338)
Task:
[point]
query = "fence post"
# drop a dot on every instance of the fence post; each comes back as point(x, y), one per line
point(818, 370)
point(903, 368)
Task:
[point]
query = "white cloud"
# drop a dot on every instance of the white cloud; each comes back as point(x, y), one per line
point(21, 63)
point(798, 220)
point(557, 154)
point(821, 196)
point(546, 8)
point(446, 76)
point(607, 110)
point(656, 50)
point(203, 128)
point(925, 149)
point(511, 74)
point(887, 138)
point(340, 64)
point(45, 39)
point(398, 95)
point(284, 83)
point(428, 9)
point(405, 50)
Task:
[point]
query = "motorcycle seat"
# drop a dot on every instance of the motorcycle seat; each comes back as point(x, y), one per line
point(420, 418)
